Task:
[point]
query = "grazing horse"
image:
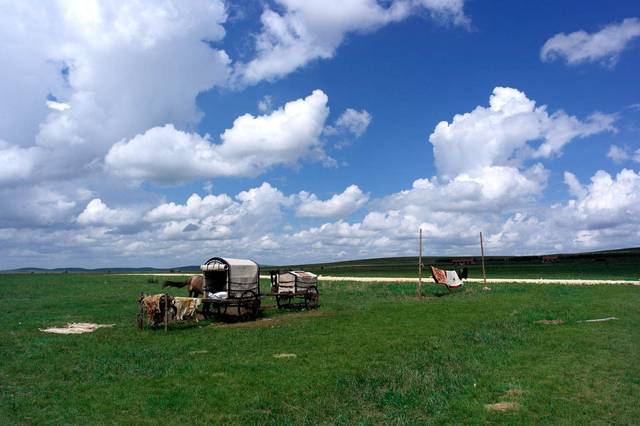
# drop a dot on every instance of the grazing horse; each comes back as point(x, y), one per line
point(194, 285)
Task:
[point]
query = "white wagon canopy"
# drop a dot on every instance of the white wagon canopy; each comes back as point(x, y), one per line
point(231, 276)
point(295, 281)
point(231, 287)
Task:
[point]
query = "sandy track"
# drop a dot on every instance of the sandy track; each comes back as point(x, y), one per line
point(429, 280)
point(489, 280)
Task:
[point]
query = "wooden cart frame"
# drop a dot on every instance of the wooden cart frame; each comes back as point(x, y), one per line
point(242, 290)
point(295, 289)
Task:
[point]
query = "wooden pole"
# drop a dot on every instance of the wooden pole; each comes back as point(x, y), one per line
point(484, 274)
point(419, 289)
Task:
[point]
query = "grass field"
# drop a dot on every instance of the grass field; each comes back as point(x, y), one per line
point(371, 354)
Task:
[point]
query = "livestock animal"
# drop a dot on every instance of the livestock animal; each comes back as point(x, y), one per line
point(194, 284)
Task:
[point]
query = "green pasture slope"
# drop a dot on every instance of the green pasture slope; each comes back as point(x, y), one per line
point(371, 354)
point(621, 264)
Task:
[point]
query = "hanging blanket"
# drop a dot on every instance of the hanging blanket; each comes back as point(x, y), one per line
point(185, 307)
point(448, 278)
point(152, 305)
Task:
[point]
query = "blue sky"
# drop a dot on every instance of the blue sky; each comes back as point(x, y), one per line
point(288, 132)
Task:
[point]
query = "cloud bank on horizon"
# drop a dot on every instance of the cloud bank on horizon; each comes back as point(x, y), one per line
point(113, 141)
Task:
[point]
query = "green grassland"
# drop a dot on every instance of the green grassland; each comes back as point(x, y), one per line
point(371, 354)
point(609, 265)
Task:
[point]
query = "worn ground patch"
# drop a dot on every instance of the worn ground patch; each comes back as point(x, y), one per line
point(551, 322)
point(273, 321)
point(285, 355)
point(503, 406)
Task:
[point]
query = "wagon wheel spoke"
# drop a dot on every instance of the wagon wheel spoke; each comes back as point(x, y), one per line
point(311, 298)
point(251, 303)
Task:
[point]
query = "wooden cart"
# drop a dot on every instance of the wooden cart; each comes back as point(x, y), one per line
point(231, 288)
point(295, 289)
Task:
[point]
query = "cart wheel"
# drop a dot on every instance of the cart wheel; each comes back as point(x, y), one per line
point(311, 298)
point(251, 303)
point(206, 310)
point(283, 301)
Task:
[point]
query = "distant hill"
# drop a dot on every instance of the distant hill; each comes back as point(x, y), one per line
point(606, 264)
point(189, 269)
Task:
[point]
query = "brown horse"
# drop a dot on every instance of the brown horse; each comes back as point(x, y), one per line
point(194, 285)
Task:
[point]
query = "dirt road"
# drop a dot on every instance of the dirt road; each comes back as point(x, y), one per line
point(428, 280)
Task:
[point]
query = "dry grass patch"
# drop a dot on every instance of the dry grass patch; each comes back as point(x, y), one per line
point(503, 406)
point(550, 322)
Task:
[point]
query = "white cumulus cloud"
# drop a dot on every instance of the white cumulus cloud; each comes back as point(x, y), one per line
point(603, 46)
point(338, 206)
point(607, 202)
point(196, 207)
point(17, 162)
point(97, 213)
point(350, 122)
point(254, 144)
point(114, 69)
point(502, 134)
point(618, 154)
point(307, 30)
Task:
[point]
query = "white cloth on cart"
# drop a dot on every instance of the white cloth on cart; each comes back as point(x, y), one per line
point(221, 295)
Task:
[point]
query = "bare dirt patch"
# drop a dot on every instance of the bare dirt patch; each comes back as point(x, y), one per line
point(551, 322)
point(273, 321)
point(503, 406)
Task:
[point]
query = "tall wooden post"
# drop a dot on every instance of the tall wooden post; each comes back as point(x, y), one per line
point(419, 288)
point(484, 274)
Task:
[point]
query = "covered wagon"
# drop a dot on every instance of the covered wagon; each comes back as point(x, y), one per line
point(231, 287)
point(295, 288)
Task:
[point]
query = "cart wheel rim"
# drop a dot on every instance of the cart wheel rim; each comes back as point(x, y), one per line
point(311, 297)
